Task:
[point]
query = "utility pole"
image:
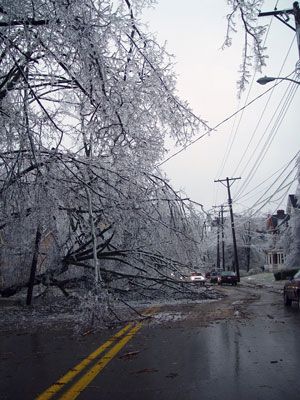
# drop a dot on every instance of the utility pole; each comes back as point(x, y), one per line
point(283, 16)
point(236, 260)
point(221, 219)
point(218, 241)
point(248, 243)
point(218, 237)
point(223, 242)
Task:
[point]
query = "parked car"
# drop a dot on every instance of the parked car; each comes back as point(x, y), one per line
point(196, 277)
point(227, 277)
point(291, 291)
point(214, 276)
point(207, 274)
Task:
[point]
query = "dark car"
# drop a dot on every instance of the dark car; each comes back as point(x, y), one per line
point(214, 276)
point(228, 277)
point(207, 274)
point(291, 291)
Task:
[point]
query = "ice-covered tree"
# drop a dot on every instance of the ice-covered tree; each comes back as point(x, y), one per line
point(244, 15)
point(87, 97)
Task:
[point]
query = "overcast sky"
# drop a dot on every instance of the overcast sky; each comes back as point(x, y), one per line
point(194, 32)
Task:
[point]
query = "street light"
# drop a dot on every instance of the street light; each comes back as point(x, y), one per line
point(267, 79)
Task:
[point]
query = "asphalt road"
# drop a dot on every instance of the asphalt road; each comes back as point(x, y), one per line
point(252, 353)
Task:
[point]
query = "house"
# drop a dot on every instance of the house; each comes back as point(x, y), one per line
point(275, 259)
point(277, 222)
point(276, 225)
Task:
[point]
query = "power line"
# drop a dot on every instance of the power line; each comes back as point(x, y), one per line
point(218, 125)
point(278, 190)
point(263, 112)
point(266, 145)
point(229, 147)
point(284, 168)
point(270, 138)
point(262, 199)
point(285, 194)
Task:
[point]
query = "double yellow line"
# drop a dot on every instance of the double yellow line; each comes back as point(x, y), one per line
point(74, 391)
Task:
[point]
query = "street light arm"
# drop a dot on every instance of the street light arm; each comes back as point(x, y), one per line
point(267, 79)
point(291, 80)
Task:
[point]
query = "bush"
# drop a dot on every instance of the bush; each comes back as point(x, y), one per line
point(285, 274)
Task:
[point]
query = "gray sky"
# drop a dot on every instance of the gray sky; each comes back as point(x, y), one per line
point(194, 32)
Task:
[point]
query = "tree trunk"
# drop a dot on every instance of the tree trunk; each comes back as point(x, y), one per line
point(33, 265)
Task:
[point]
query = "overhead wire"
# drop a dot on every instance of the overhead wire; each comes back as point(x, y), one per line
point(265, 201)
point(231, 141)
point(284, 195)
point(288, 185)
point(228, 147)
point(248, 216)
point(241, 110)
point(289, 95)
point(262, 201)
point(258, 162)
point(263, 112)
point(284, 167)
point(262, 198)
point(218, 125)
point(228, 150)
point(259, 121)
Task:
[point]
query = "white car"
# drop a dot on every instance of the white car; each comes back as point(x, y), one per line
point(196, 277)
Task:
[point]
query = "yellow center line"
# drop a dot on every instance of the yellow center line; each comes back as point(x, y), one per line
point(57, 386)
point(83, 382)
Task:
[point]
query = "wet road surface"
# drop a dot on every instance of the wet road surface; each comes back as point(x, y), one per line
point(256, 357)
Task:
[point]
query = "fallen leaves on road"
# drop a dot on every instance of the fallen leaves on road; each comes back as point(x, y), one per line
point(172, 375)
point(129, 355)
point(87, 332)
point(146, 370)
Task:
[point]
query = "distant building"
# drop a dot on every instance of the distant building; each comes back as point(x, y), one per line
point(275, 259)
point(276, 225)
point(293, 207)
point(277, 222)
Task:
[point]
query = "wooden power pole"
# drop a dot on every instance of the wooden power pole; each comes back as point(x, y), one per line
point(248, 244)
point(221, 224)
point(223, 242)
point(236, 259)
point(218, 241)
point(283, 16)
